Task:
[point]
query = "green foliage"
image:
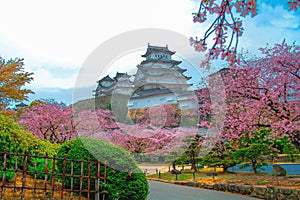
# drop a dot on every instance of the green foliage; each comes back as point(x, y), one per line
point(8, 176)
point(43, 147)
point(285, 146)
point(175, 157)
point(220, 156)
point(39, 165)
point(119, 184)
point(192, 153)
point(15, 140)
point(252, 156)
point(253, 149)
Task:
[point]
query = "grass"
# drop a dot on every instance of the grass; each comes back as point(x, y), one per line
point(261, 183)
point(188, 176)
point(243, 178)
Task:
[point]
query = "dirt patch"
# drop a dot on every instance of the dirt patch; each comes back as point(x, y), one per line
point(43, 189)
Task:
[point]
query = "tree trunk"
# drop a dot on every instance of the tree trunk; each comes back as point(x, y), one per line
point(225, 169)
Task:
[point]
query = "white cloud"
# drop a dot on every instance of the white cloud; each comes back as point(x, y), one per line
point(55, 37)
point(286, 21)
point(63, 33)
point(45, 79)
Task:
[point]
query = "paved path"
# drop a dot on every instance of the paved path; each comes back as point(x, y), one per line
point(165, 191)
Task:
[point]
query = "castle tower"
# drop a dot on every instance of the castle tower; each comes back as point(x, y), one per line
point(105, 86)
point(159, 80)
point(123, 84)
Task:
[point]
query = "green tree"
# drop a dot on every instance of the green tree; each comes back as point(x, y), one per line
point(253, 149)
point(285, 146)
point(222, 155)
point(191, 155)
point(12, 79)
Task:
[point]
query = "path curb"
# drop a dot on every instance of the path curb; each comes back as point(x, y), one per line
point(269, 192)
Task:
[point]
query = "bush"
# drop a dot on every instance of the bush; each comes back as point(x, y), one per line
point(119, 184)
point(44, 146)
point(8, 176)
point(40, 167)
point(14, 139)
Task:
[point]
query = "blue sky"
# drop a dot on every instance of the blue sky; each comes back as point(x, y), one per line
point(55, 37)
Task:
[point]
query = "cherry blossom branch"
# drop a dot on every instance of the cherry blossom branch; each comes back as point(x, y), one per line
point(221, 26)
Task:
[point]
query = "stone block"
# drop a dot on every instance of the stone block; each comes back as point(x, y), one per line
point(277, 170)
point(285, 191)
point(209, 186)
point(246, 189)
point(233, 188)
point(191, 184)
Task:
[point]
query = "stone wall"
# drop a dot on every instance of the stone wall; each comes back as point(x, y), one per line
point(268, 192)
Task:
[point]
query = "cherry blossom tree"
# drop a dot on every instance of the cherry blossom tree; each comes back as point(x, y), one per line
point(87, 123)
point(263, 92)
point(141, 138)
point(226, 27)
point(48, 121)
point(164, 115)
point(274, 101)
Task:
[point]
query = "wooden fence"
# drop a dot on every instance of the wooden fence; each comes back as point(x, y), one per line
point(24, 181)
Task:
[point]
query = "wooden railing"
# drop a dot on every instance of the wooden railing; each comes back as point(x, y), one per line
point(22, 178)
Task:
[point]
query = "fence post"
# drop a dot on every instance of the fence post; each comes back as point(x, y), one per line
point(159, 175)
point(34, 190)
point(53, 176)
point(46, 174)
point(24, 176)
point(15, 174)
point(104, 179)
point(3, 175)
point(97, 181)
point(89, 178)
point(81, 178)
point(63, 178)
point(72, 179)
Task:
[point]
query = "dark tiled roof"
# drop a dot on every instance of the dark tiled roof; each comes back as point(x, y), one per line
point(118, 75)
point(151, 49)
point(106, 78)
point(21, 105)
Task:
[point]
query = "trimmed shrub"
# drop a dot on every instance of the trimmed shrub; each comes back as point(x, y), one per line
point(40, 167)
point(119, 184)
point(14, 139)
point(8, 176)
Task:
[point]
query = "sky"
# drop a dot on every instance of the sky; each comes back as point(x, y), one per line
point(56, 37)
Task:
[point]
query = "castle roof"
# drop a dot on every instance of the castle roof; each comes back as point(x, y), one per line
point(140, 93)
point(106, 78)
point(118, 75)
point(175, 62)
point(21, 105)
point(156, 49)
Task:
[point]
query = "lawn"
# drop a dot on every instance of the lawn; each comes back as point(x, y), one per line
point(244, 178)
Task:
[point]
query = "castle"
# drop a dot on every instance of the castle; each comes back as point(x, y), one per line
point(159, 80)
